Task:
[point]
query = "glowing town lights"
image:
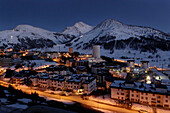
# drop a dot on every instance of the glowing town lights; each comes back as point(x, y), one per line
point(148, 78)
point(157, 77)
point(148, 82)
point(12, 37)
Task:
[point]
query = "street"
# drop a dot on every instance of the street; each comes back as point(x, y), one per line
point(72, 98)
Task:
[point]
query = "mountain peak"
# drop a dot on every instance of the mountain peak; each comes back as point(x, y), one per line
point(29, 28)
point(23, 27)
point(78, 29)
point(110, 23)
point(80, 24)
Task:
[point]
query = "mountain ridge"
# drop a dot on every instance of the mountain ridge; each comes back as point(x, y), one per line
point(78, 29)
point(108, 32)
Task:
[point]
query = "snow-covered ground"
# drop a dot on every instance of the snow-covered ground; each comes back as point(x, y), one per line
point(3, 100)
point(6, 91)
point(135, 106)
point(160, 58)
point(106, 99)
point(20, 106)
point(25, 100)
point(39, 64)
point(142, 107)
point(162, 111)
point(155, 61)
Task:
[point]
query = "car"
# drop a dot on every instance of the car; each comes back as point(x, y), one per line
point(142, 111)
point(52, 93)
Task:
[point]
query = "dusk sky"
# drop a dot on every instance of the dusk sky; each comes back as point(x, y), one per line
point(55, 15)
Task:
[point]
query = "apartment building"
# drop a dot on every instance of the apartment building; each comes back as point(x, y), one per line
point(57, 82)
point(89, 85)
point(44, 81)
point(148, 94)
point(73, 82)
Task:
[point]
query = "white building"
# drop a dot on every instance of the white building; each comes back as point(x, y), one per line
point(147, 94)
point(89, 85)
point(76, 82)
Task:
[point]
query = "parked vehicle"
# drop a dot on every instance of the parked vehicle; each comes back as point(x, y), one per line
point(142, 111)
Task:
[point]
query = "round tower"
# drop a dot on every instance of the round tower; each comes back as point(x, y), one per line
point(96, 51)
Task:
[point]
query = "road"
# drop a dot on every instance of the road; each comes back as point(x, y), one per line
point(78, 99)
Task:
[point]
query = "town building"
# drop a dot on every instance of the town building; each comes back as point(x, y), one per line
point(148, 94)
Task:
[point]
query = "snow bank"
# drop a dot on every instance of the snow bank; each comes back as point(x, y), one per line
point(3, 100)
point(162, 111)
point(17, 106)
point(106, 99)
point(142, 107)
point(25, 100)
point(6, 91)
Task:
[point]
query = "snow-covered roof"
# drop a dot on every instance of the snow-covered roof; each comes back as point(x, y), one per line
point(141, 87)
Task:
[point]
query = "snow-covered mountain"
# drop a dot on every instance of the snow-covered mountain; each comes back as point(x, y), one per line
point(26, 36)
point(78, 29)
point(111, 34)
point(117, 40)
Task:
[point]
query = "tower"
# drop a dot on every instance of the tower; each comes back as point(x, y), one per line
point(96, 51)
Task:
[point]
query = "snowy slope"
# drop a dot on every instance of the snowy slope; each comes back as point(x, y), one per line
point(116, 39)
point(31, 37)
point(114, 30)
point(78, 29)
point(120, 40)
